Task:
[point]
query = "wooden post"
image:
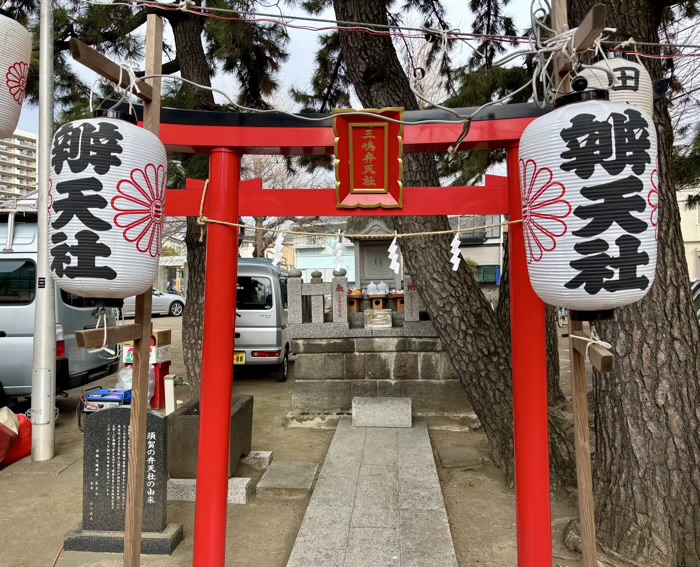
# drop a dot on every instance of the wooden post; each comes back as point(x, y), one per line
point(584, 37)
point(582, 438)
point(142, 345)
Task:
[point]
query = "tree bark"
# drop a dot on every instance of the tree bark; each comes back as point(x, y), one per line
point(187, 31)
point(554, 393)
point(193, 317)
point(647, 469)
point(462, 317)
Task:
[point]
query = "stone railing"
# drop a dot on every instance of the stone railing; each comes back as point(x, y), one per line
point(307, 300)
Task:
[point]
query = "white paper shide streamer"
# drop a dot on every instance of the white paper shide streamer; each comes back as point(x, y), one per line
point(395, 265)
point(106, 207)
point(338, 252)
point(456, 254)
point(277, 249)
point(15, 55)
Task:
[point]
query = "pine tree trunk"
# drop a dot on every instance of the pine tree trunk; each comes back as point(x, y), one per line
point(193, 317)
point(647, 469)
point(187, 30)
point(462, 317)
point(554, 393)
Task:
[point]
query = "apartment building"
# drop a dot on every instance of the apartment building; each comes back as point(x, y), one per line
point(18, 164)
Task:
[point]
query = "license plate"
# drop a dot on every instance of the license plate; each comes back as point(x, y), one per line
point(239, 358)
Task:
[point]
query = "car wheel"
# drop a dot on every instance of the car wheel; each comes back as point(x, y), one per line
point(3, 397)
point(176, 308)
point(282, 371)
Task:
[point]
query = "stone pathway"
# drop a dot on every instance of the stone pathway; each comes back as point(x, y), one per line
point(377, 503)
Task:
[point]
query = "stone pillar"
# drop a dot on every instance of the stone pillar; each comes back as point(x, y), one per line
point(340, 296)
point(294, 298)
point(411, 309)
point(317, 308)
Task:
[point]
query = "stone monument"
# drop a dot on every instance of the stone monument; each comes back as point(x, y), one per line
point(105, 473)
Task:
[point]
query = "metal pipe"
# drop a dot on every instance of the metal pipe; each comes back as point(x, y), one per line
point(217, 362)
point(9, 241)
point(530, 406)
point(44, 370)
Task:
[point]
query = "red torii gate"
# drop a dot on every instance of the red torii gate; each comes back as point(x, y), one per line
point(227, 136)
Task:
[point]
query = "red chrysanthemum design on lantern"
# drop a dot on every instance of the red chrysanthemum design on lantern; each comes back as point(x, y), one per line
point(16, 79)
point(544, 210)
point(141, 208)
point(653, 200)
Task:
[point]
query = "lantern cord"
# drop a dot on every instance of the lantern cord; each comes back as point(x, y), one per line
point(203, 220)
point(594, 339)
point(102, 318)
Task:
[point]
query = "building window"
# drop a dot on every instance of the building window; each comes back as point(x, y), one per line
point(470, 226)
point(486, 274)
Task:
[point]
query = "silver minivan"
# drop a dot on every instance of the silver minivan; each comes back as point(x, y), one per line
point(74, 366)
point(262, 338)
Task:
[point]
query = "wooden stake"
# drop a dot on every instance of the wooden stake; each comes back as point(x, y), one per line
point(584, 478)
point(586, 34)
point(139, 393)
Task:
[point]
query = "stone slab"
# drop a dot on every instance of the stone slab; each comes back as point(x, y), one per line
point(183, 436)
point(308, 556)
point(457, 457)
point(287, 480)
point(322, 396)
point(436, 397)
point(321, 346)
point(105, 471)
point(162, 543)
point(373, 547)
point(258, 460)
point(376, 515)
point(381, 412)
point(185, 489)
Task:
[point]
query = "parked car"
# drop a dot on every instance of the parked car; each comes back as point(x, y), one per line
point(74, 366)
point(163, 304)
point(262, 338)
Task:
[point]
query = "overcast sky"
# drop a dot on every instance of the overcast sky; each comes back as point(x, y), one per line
point(296, 72)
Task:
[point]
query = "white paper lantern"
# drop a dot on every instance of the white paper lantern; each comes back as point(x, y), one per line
point(632, 82)
point(589, 188)
point(15, 55)
point(106, 207)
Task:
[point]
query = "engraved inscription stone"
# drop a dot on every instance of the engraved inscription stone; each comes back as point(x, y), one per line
point(105, 470)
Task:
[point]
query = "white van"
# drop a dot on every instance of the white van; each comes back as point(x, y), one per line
point(74, 366)
point(262, 337)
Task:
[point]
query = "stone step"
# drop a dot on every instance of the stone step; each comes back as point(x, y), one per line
point(185, 489)
point(258, 460)
point(287, 480)
point(381, 412)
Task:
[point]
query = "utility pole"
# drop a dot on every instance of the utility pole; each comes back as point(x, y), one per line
point(44, 368)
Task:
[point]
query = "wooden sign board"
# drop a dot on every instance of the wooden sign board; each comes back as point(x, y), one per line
point(368, 159)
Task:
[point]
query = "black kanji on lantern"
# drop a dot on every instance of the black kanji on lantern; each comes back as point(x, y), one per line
point(77, 204)
point(88, 248)
point(627, 79)
point(85, 145)
point(616, 142)
point(60, 252)
point(597, 268)
point(614, 203)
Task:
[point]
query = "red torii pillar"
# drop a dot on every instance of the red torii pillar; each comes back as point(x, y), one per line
point(529, 372)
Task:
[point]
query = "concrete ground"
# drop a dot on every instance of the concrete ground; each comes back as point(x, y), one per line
point(40, 502)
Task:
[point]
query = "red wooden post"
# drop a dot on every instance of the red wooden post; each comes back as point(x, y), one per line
point(217, 361)
point(530, 407)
